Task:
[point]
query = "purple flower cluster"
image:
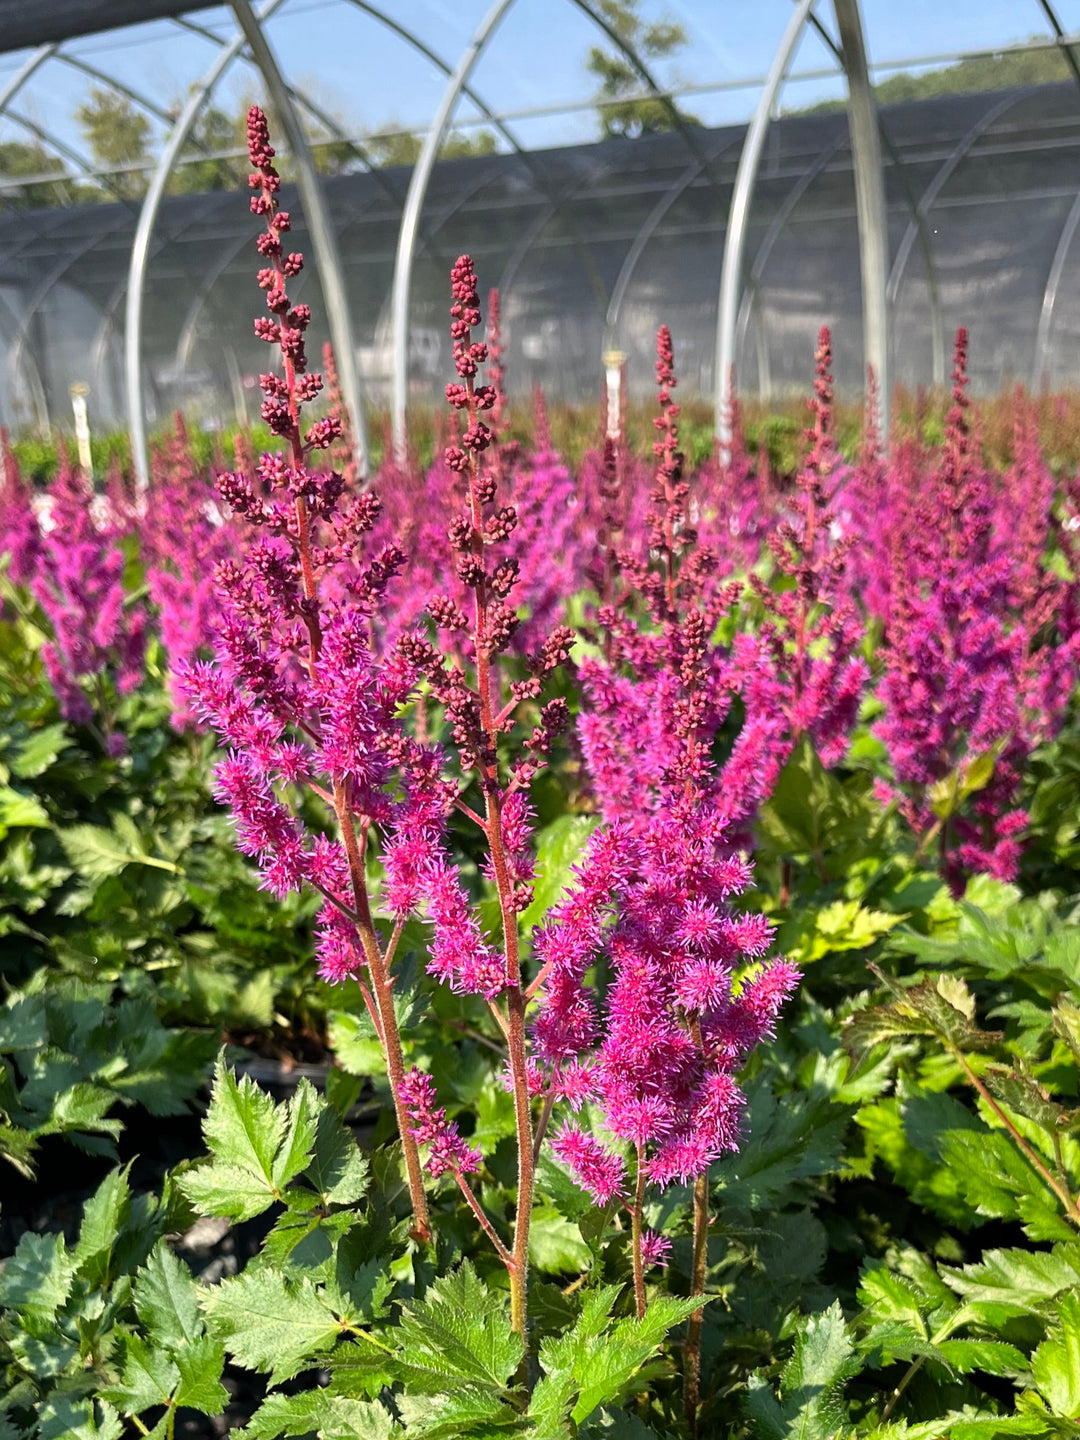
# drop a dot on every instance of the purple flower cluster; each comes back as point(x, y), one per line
point(98, 637)
point(688, 997)
point(447, 1151)
point(981, 645)
point(185, 534)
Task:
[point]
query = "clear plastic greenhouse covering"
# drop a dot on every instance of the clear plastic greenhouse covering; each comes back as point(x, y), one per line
point(592, 247)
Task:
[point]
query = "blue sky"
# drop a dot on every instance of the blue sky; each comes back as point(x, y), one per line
point(370, 78)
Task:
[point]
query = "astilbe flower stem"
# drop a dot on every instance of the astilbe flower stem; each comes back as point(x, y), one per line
point(487, 614)
point(289, 336)
point(686, 1002)
point(642, 1175)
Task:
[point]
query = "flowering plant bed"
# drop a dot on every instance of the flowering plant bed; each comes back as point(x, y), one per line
point(665, 870)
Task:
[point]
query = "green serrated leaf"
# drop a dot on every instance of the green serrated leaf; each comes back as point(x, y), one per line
point(103, 1216)
point(97, 853)
point(271, 1322)
point(1055, 1365)
point(998, 1181)
point(257, 1147)
point(1026, 1279)
point(295, 1151)
point(594, 1363)
point(200, 1363)
point(808, 1407)
point(167, 1299)
point(20, 810)
point(331, 1417)
point(66, 1417)
point(149, 1377)
point(459, 1332)
point(37, 1279)
point(446, 1417)
point(34, 756)
point(994, 1357)
point(337, 1171)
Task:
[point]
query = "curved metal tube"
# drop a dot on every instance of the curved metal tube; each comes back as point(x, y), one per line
point(140, 246)
point(1050, 292)
point(410, 220)
point(320, 228)
point(869, 199)
point(761, 259)
point(33, 63)
point(43, 287)
point(62, 148)
point(739, 218)
point(642, 238)
point(929, 195)
point(1060, 36)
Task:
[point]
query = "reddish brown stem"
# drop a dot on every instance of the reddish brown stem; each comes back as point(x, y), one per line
point(692, 1376)
point(635, 1234)
point(485, 1224)
point(516, 1000)
point(377, 963)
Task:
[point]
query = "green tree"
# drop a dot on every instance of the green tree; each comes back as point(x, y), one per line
point(19, 159)
point(392, 146)
point(1026, 65)
point(119, 136)
point(618, 77)
point(203, 167)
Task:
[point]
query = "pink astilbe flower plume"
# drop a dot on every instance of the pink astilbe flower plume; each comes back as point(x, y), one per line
point(801, 674)
point(447, 1150)
point(654, 890)
point(20, 535)
point(75, 571)
point(185, 533)
point(981, 646)
point(304, 702)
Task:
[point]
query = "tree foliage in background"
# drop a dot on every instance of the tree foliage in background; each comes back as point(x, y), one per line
point(619, 78)
point(31, 159)
point(119, 135)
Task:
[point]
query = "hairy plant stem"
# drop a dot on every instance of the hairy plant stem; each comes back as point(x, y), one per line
point(485, 1224)
point(378, 964)
point(692, 1374)
point(635, 1233)
point(1068, 1201)
point(516, 999)
point(382, 987)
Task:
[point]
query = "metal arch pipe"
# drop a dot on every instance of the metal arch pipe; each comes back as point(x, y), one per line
point(188, 329)
point(140, 246)
point(28, 68)
point(51, 278)
point(635, 60)
point(869, 198)
point(410, 220)
point(765, 249)
point(150, 106)
point(937, 324)
point(644, 235)
point(109, 309)
point(930, 194)
point(440, 64)
point(316, 112)
point(1060, 36)
point(320, 227)
point(739, 218)
point(1050, 292)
